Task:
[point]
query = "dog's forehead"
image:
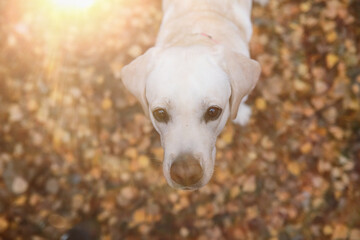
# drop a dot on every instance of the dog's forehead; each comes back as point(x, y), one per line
point(190, 76)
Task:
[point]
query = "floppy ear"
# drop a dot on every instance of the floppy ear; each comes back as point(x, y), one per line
point(243, 73)
point(134, 77)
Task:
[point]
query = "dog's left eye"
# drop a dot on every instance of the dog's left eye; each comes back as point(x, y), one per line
point(161, 115)
point(212, 114)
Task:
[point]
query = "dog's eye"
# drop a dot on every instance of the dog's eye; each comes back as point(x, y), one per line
point(161, 115)
point(212, 114)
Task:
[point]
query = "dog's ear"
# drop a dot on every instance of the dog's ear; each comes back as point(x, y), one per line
point(243, 74)
point(134, 77)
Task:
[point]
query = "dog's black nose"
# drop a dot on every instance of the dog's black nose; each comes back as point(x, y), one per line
point(186, 170)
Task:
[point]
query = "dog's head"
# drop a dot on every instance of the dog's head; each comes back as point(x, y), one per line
point(189, 93)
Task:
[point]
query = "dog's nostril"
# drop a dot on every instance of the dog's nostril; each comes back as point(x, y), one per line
point(186, 170)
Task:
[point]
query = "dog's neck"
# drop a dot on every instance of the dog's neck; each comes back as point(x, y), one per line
point(227, 22)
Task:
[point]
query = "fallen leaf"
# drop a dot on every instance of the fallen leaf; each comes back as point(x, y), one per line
point(306, 148)
point(106, 104)
point(340, 232)
point(260, 104)
point(331, 60)
point(135, 51)
point(249, 185)
point(200, 211)
point(58, 221)
point(52, 186)
point(184, 232)
point(235, 191)
point(4, 224)
point(16, 113)
point(138, 217)
point(144, 161)
point(337, 132)
point(305, 6)
point(301, 86)
point(294, 168)
point(354, 234)
point(19, 185)
point(331, 36)
point(327, 230)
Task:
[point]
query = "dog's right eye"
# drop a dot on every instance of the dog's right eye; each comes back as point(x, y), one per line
point(161, 115)
point(212, 114)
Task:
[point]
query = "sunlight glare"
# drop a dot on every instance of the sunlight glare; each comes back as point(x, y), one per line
point(74, 4)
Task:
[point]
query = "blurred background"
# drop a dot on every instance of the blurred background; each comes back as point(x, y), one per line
point(77, 155)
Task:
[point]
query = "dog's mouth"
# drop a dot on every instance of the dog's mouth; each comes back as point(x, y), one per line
point(193, 187)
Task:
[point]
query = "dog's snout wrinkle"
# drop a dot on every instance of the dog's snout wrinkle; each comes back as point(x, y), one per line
point(186, 170)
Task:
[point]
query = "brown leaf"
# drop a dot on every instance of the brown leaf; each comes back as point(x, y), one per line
point(4, 224)
point(340, 233)
point(355, 234)
point(249, 185)
point(306, 148)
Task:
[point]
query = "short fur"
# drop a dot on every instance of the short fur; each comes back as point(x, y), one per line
point(200, 59)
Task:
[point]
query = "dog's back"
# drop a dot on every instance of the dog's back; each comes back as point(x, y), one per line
point(226, 21)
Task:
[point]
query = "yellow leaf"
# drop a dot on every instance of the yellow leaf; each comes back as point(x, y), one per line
point(305, 7)
point(331, 60)
point(301, 86)
point(306, 148)
point(227, 136)
point(327, 230)
point(20, 201)
point(106, 104)
point(252, 212)
point(234, 191)
point(331, 36)
point(303, 69)
point(131, 153)
point(158, 152)
point(144, 161)
point(182, 204)
point(4, 224)
point(294, 168)
point(32, 105)
point(260, 104)
point(221, 175)
point(139, 216)
point(200, 211)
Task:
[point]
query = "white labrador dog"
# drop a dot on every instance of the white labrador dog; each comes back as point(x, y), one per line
point(196, 76)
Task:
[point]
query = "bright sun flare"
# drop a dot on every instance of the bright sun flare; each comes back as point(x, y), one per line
point(74, 4)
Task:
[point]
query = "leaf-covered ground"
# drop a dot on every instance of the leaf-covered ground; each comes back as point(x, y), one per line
point(76, 151)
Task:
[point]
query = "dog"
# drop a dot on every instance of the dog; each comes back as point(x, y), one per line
point(193, 80)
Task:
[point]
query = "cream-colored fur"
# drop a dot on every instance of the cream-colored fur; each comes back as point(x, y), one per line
point(200, 59)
